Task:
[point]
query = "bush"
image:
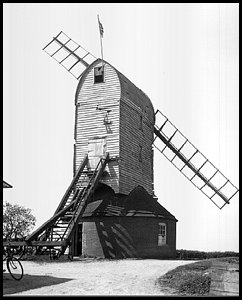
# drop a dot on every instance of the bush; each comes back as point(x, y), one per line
point(197, 284)
point(195, 255)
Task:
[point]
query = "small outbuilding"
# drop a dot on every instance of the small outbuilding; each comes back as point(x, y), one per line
point(122, 226)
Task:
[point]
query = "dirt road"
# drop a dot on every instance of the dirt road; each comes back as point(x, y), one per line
point(91, 277)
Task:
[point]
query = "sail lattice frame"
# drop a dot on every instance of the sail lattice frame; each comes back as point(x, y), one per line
point(72, 56)
point(192, 163)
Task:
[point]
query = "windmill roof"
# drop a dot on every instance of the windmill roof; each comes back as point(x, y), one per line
point(129, 90)
point(137, 204)
point(138, 97)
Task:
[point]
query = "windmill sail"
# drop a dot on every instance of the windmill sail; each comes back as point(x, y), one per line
point(73, 57)
point(192, 163)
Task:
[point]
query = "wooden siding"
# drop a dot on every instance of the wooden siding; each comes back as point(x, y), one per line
point(131, 145)
point(90, 120)
point(137, 96)
point(134, 172)
point(134, 103)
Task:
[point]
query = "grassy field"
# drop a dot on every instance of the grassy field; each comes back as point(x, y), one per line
point(193, 279)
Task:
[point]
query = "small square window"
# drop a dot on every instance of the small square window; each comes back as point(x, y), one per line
point(99, 74)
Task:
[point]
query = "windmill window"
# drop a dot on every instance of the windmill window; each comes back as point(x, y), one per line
point(140, 153)
point(99, 74)
point(141, 122)
point(162, 234)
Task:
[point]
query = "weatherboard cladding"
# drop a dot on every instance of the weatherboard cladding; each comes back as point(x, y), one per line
point(139, 100)
point(134, 103)
point(90, 120)
point(125, 139)
point(134, 171)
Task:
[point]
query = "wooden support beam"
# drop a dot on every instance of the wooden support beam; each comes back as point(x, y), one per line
point(72, 53)
point(87, 196)
point(73, 182)
point(36, 243)
point(49, 222)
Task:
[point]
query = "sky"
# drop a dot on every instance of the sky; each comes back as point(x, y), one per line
point(184, 56)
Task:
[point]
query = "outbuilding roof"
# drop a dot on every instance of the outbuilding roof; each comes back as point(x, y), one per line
point(137, 204)
point(6, 185)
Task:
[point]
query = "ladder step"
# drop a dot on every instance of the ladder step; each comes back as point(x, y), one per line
point(62, 224)
point(66, 219)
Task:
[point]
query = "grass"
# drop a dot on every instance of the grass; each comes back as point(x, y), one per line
point(192, 279)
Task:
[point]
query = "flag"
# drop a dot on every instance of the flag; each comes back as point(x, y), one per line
point(100, 28)
point(101, 35)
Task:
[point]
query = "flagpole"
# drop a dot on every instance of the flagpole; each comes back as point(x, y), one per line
point(100, 38)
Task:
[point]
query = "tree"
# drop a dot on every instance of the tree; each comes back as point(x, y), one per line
point(17, 221)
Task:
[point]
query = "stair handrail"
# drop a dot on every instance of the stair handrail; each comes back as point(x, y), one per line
point(87, 194)
point(72, 184)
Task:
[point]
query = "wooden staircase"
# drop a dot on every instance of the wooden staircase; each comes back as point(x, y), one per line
point(59, 229)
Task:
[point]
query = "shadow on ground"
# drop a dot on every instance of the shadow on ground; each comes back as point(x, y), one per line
point(28, 282)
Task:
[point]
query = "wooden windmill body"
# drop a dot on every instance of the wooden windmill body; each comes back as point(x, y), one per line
point(113, 115)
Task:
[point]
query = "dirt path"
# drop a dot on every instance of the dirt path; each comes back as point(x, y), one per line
point(91, 277)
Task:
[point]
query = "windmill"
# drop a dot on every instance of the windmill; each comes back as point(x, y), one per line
point(114, 146)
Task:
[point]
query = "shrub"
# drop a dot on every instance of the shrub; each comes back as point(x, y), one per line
point(195, 254)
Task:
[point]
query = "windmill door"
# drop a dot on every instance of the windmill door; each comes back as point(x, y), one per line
point(79, 240)
point(96, 150)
